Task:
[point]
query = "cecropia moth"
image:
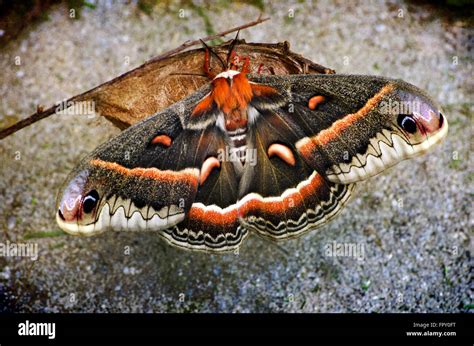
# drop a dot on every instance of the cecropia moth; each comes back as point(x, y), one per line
point(277, 156)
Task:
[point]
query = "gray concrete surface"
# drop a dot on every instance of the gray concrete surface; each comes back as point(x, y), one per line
point(414, 222)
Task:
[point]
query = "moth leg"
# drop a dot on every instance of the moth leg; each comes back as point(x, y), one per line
point(234, 59)
point(260, 68)
point(246, 66)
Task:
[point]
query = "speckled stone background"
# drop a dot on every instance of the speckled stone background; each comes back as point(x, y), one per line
point(414, 222)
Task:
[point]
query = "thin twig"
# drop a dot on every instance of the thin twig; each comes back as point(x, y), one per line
point(41, 114)
point(26, 122)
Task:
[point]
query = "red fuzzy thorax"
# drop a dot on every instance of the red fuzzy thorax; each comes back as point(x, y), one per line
point(231, 96)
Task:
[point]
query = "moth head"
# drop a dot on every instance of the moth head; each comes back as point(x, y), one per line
point(78, 204)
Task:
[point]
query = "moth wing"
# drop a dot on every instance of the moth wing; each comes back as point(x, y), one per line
point(154, 168)
point(344, 129)
point(293, 188)
point(212, 223)
point(282, 196)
